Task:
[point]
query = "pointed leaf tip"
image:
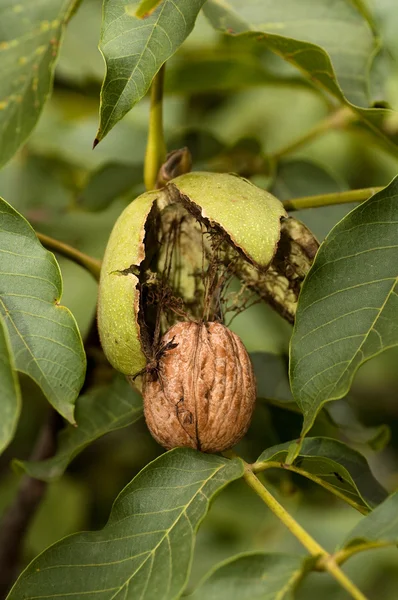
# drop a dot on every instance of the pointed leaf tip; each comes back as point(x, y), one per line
point(130, 72)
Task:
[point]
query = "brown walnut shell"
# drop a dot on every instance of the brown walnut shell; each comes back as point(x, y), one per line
point(201, 392)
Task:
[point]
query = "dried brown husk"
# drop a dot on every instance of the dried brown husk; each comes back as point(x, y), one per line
point(280, 284)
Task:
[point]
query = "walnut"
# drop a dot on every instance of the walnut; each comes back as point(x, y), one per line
point(201, 391)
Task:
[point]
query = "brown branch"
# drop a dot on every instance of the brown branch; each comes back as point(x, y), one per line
point(18, 517)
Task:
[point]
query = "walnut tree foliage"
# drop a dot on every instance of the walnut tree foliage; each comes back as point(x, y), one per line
point(288, 111)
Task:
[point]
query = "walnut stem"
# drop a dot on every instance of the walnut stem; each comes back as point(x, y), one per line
point(330, 199)
point(339, 119)
point(327, 562)
point(18, 517)
point(156, 146)
point(92, 265)
point(262, 466)
point(345, 553)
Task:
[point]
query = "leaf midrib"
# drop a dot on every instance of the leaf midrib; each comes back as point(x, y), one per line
point(129, 79)
point(167, 533)
point(36, 362)
point(366, 337)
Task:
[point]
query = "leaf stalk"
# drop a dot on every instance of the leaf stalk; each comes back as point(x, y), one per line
point(156, 146)
point(327, 561)
point(330, 199)
point(338, 119)
point(342, 555)
point(262, 466)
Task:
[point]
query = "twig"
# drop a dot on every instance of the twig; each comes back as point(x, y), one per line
point(262, 466)
point(336, 120)
point(327, 561)
point(18, 517)
point(342, 555)
point(156, 146)
point(92, 265)
point(330, 199)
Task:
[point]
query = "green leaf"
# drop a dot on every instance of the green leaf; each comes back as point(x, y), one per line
point(10, 405)
point(44, 337)
point(317, 33)
point(134, 49)
point(316, 45)
point(380, 526)
point(145, 550)
point(98, 412)
point(348, 307)
point(30, 36)
point(335, 463)
point(253, 576)
point(384, 73)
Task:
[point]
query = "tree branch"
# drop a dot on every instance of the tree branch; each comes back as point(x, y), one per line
point(18, 517)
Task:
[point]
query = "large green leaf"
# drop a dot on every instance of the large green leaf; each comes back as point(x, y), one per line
point(134, 49)
point(335, 463)
point(317, 33)
point(380, 526)
point(145, 550)
point(313, 37)
point(254, 576)
point(348, 307)
point(10, 403)
point(97, 413)
point(44, 337)
point(30, 34)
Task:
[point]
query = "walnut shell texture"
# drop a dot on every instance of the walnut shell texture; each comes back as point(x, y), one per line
point(203, 390)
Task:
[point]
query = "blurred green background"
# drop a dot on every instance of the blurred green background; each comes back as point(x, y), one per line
point(238, 108)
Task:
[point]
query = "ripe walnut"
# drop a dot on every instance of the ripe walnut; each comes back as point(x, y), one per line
point(202, 392)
